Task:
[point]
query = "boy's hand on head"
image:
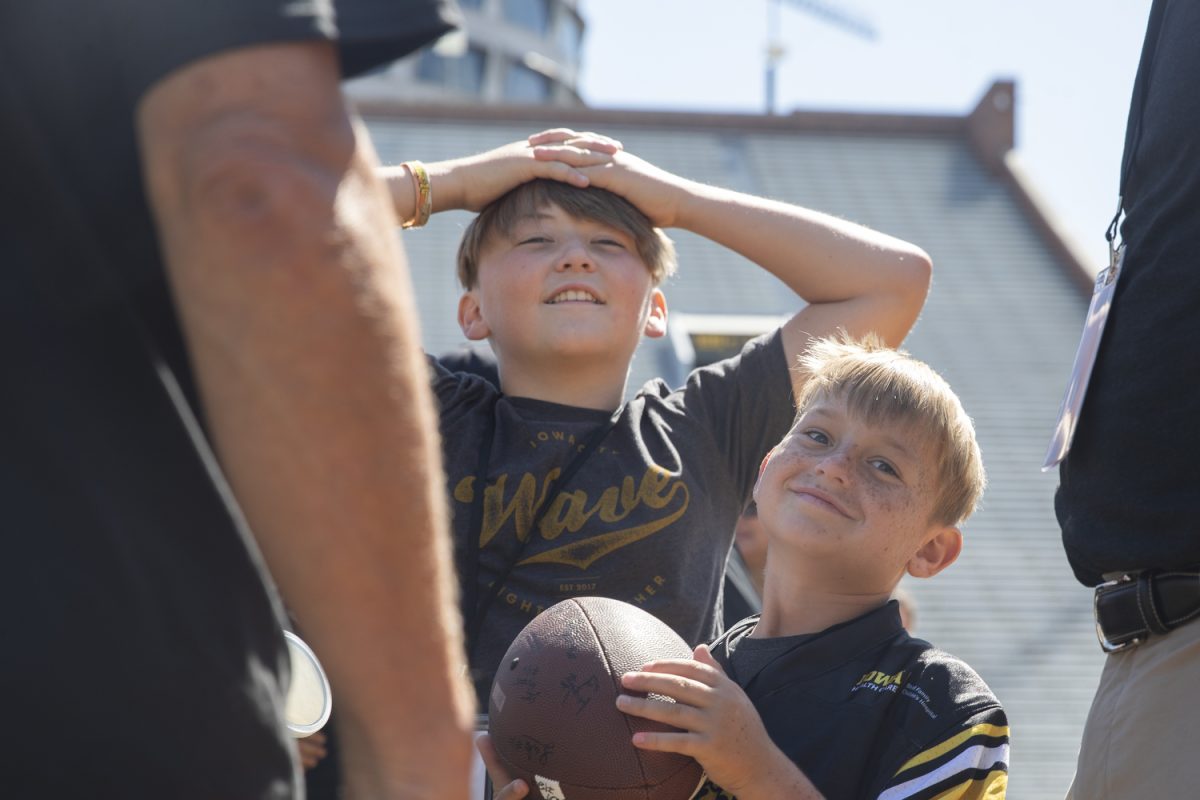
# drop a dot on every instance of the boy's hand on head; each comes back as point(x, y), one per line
point(582, 140)
point(657, 193)
point(474, 181)
point(719, 726)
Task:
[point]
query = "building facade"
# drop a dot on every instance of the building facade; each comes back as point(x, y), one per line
point(523, 52)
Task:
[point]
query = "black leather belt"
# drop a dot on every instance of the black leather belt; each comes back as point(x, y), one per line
point(1134, 606)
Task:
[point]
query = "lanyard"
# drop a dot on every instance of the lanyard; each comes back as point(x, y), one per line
point(477, 608)
point(1104, 291)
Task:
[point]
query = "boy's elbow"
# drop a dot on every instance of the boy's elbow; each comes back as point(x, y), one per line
point(918, 272)
point(913, 277)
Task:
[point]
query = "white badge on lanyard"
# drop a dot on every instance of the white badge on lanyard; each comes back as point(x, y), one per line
point(1085, 359)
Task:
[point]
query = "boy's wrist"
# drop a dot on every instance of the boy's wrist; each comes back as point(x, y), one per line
point(447, 190)
point(778, 776)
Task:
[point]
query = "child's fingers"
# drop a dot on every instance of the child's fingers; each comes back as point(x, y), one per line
point(586, 139)
point(666, 742)
point(682, 667)
point(496, 771)
point(677, 715)
point(704, 656)
point(551, 135)
point(571, 154)
point(513, 791)
point(558, 170)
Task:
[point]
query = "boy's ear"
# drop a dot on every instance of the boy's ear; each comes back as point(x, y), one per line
point(470, 318)
point(761, 469)
point(938, 552)
point(656, 320)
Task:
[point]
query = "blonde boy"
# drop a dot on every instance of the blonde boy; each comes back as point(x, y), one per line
point(824, 694)
point(558, 484)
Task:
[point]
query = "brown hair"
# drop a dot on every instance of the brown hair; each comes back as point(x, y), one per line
point(879, 384)
point(502, 215)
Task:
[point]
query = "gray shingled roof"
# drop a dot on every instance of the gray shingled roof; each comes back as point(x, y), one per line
point(1001, 324)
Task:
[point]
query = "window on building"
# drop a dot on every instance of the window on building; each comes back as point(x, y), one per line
point(464, 73)
point(702, 339)
point(570, 34)
point(533, 15)
point(523, 85)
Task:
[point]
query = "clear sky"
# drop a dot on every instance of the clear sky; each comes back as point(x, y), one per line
point(1073, 61)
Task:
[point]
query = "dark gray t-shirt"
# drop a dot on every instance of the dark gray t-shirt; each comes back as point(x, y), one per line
point(648, 519)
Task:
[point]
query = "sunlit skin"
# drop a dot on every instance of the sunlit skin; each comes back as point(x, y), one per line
point(559, 296)
point(847, 506)
point(848, 509)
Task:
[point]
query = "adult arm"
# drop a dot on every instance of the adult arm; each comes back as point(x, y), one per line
point(296, 307)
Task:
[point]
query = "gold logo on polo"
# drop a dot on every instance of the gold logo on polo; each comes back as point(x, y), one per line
point(569, 511)
point(880, 681)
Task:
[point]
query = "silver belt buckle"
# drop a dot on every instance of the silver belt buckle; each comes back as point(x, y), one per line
point(1106, 645)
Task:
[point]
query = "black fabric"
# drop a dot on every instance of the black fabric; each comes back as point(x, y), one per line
point(142, 646)
point(852, 705)
point(1127, 498)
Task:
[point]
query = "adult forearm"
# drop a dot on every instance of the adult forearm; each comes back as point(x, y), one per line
point(295, 303)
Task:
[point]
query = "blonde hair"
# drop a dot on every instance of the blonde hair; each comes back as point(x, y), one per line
point(880, 384)
point(502, 215)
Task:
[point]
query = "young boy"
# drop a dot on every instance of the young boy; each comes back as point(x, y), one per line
point(559, 487)
point(824, 694)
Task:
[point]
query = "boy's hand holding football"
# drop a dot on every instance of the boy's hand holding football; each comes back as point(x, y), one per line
point(719, 727)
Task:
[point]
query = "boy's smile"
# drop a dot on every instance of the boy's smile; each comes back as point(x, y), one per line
point(816, 498)
point(851, 499)
point(575, 294)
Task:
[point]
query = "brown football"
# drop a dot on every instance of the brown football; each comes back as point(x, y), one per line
point(553, 717)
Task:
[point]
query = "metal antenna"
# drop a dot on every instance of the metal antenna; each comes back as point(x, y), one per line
point(827, 12)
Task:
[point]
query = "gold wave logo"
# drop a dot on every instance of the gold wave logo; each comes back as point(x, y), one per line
point(570, 511)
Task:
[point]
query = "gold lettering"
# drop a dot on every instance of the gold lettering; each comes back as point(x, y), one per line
point(526, 605)
point(496, 513)
point(570, 512)
point(585, 553)
point(558, 435)
point(542, 436)
point(464, 492)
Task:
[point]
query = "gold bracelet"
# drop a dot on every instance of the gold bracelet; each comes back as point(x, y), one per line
point(423, 191)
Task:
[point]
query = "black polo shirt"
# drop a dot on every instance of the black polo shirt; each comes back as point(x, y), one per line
point(866, 711)
point(142, 654)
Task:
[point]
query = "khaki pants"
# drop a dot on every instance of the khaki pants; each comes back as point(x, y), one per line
point(1139, 741)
